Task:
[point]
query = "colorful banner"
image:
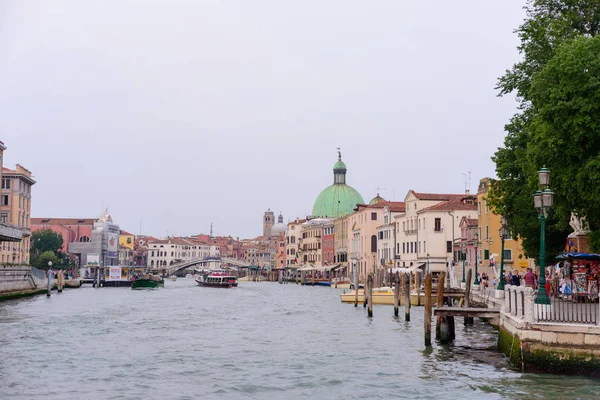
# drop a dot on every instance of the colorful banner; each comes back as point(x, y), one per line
point(115, 274)
point(113, 244)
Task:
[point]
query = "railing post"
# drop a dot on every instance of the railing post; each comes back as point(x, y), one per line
point(507, 299)
point(528, 314)
point(518, 296)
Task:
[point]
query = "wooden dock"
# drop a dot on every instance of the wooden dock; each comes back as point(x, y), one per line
point(467, 312)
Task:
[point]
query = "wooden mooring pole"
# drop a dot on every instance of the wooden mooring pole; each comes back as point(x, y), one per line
point(418, 277)
point(439, 303)
point(370, 281)
point(396, 293)
point(468, 320)
point(406, 297)
point(427, 317)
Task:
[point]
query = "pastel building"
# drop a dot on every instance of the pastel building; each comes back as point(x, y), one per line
point(165, 252)
point(293, 239)
point(488, 227)
point(426, 232)
point(81, 237)
point(312, 241)
point(15, 211)
point(362, 231)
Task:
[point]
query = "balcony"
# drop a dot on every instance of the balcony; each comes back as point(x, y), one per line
point(411, 231)
point(10, 233)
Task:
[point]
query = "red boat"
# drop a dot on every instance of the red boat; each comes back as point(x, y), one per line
point(217, 279)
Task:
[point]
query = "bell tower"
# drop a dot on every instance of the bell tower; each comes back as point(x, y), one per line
point(268, 222)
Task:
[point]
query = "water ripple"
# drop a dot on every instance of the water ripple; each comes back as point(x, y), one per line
point(258, 341)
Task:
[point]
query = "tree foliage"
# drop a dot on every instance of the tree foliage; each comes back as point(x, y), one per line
point(553, 122)
point(44, 258)
point(45, 240)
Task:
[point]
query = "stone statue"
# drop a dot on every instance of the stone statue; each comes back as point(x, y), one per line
point(339, 153)
point(579, 225)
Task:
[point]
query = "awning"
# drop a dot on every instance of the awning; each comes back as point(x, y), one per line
point(415, 268)
point(305, 269)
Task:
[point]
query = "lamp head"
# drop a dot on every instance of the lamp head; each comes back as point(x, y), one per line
point(544, 176)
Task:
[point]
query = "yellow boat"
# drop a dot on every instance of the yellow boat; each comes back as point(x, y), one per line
point(383, 295)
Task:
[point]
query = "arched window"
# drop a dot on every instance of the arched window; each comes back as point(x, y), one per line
point(374, 244)
point(152, 263)
point(85, 239)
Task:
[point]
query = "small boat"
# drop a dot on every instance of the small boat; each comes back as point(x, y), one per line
point(189, 276)
point(173, 278)
point(147, 281)
point(217, 279)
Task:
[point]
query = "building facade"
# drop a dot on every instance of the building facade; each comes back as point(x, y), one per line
point(293, 240)
point(491, 245)
point(426, 232)
point(362, 231)
point(15, 210)
point(165, 252)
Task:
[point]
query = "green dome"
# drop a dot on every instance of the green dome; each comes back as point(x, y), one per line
point(335, 200)
point(376, 199)
point(339, 165)
point(338, 198)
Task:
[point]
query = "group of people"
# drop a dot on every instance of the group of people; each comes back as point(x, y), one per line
point(529, 279)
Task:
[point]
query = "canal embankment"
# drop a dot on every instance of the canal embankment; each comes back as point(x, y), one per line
point(20, 280)
point(561, 337)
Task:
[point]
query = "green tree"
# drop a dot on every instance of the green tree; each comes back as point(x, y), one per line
point(44, 258)
point(42, 241)
point(549, 24)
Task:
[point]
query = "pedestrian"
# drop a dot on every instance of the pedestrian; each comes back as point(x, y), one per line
point(530, 279)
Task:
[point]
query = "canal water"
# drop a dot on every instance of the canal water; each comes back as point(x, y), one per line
point(257, 341)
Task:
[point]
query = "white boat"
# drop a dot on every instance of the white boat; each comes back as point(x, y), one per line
point(172, 278)
point(189, 276)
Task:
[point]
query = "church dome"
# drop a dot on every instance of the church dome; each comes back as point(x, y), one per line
point(376, 199)
point(339, 198)
point(279, 227)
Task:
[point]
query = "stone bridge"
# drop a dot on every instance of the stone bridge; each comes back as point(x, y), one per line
point(172, 269)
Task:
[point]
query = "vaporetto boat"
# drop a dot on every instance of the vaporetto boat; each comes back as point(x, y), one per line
point(217, 279)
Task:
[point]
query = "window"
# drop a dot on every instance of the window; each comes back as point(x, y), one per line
point(486, 254)
point(4, 199)
point(507, 254)
point(478, 208)
point(84, 239)
point(438, 225)
point(4, 217)
point(411, 247)
point(373, 244)
point(487, 232)
point(381, 235)
point(448, 246)
point(373, 216)
point(6, 183)
point(403, 226)
point(486, 207)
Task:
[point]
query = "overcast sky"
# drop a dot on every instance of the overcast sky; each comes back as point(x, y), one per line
point(183, 113)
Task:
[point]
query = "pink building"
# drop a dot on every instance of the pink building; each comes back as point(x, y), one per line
point(328, 247)
point(71, 229)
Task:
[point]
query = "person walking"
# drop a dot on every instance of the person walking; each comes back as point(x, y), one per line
point(530, 279)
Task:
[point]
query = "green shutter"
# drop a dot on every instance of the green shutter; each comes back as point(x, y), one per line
point(486, 254)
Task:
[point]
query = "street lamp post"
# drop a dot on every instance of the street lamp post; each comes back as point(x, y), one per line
point(542, 199)
point(476, 241)
point(503, 233)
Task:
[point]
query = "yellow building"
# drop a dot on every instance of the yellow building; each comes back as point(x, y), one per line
point(15, 210)
point(126, 239)
point(489, 237)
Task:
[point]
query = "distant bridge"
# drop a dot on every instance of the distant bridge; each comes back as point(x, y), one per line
point(172, 269)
